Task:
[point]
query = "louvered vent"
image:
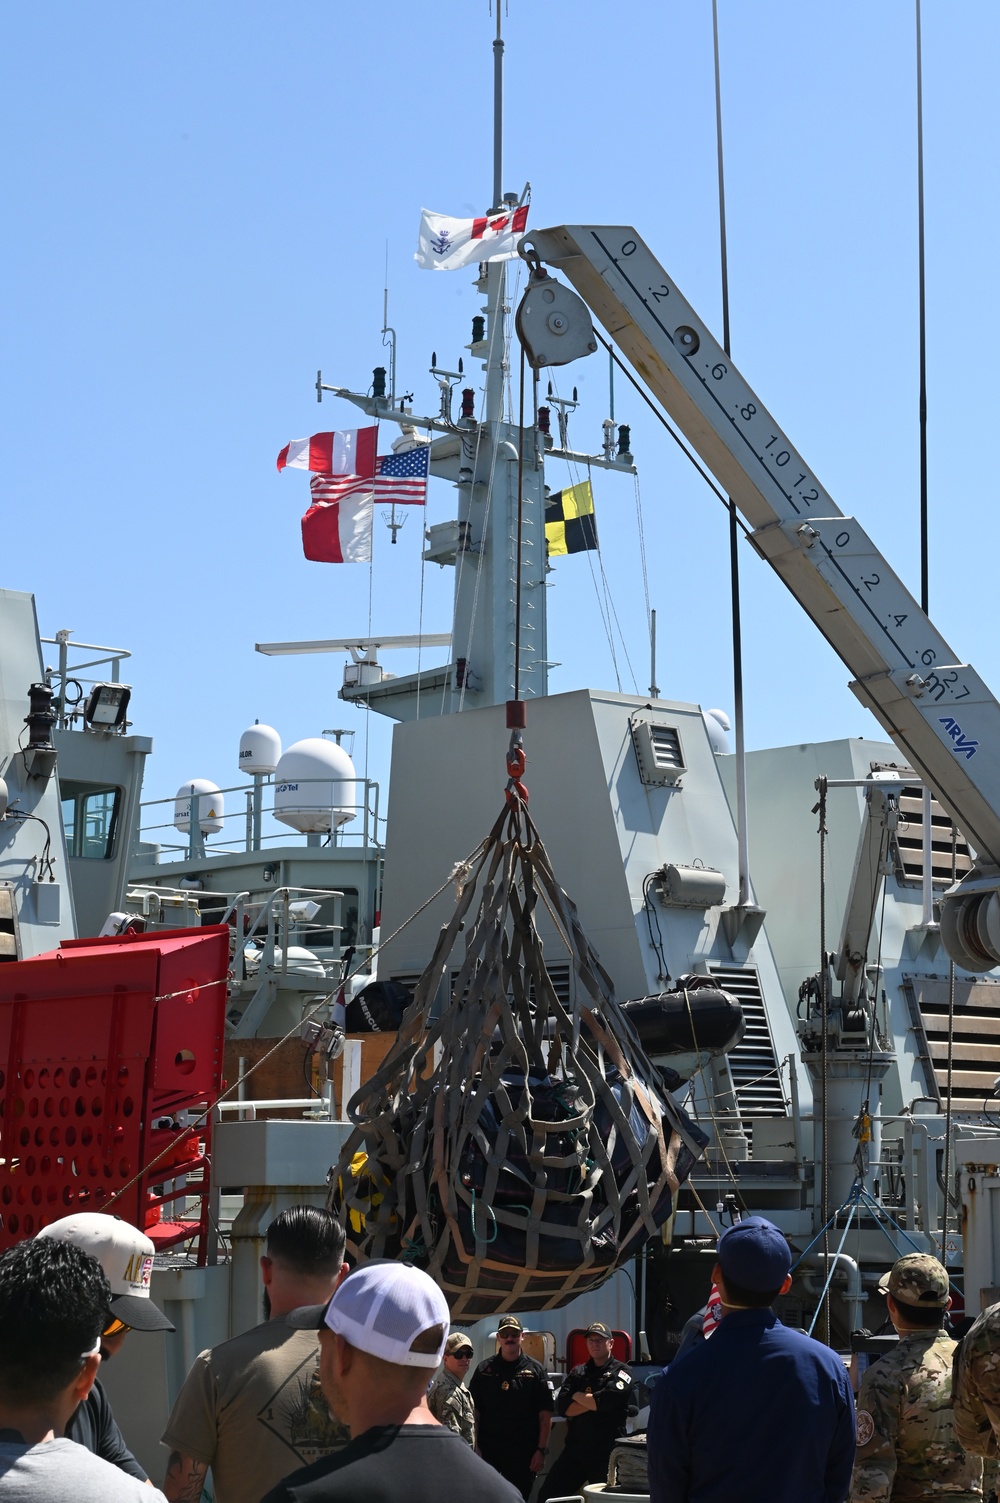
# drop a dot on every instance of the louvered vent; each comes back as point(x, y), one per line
point(976, 1053)
point(559, 976)
point(908, 845)
point(753, 1063)
point(658, 752)
point(909, 842)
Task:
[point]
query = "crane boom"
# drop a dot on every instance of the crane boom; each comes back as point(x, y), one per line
point(937, 709)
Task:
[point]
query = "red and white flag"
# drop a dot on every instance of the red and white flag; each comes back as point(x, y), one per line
point(446, 244)
point(349, 453)
point(713, 1314)
point(337, 528)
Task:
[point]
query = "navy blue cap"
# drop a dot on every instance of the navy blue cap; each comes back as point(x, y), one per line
point(754, 1253)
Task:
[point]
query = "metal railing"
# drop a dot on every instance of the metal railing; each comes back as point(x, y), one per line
point(250, 817)
point(66, 673)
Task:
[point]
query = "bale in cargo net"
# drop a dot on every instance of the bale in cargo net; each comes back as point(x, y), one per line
point(517, 1147)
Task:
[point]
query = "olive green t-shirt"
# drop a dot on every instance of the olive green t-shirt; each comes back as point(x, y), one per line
point(253, 1411)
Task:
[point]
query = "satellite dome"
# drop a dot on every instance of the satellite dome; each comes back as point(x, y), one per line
point(211, 806)
point(717, 725)
point(260, 750)
point(315, 787)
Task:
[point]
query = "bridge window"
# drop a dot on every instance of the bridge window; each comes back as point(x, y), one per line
point(90, 819)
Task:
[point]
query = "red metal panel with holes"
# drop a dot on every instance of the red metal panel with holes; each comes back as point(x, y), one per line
point(102, 1044)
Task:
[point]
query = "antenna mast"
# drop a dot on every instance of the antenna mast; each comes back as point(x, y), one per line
point(498, 114)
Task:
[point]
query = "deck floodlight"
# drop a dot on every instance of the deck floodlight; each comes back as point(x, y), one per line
point(304, 909)
point(106, 706)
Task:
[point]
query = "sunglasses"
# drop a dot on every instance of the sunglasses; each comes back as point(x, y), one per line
point(114, 1327)
point(462, 1356)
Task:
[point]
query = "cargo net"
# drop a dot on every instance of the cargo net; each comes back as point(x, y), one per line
point(518, 1149)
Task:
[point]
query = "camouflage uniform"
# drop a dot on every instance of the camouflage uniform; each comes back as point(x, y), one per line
point(907, 1445)
point(977, 1386)
point(908, 1448)
point(451, 1402)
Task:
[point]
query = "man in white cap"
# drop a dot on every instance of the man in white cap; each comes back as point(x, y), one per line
point(381, 1336)
point(126, 1256)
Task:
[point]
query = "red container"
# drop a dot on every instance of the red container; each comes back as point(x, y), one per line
point(102, 1043)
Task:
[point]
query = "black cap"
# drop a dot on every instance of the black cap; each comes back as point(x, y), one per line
point(598, 1328)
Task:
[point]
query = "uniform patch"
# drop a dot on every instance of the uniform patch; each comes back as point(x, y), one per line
point(866, 1427)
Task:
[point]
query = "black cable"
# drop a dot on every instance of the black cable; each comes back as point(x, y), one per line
point(678, 440)
point(307, 1073)
point(45, 861)
point(651, 913)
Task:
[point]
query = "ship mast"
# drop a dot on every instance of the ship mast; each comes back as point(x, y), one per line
point(485, 615)
point(499, 475)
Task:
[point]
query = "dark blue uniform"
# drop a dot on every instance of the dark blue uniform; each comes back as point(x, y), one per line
point(590, 1437)
point(509, 1397)
point(758, 1412)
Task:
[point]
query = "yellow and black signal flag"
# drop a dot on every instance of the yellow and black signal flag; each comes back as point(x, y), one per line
point(570, 524)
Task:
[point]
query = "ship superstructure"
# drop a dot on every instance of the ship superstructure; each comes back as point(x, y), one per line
point(859, 1092)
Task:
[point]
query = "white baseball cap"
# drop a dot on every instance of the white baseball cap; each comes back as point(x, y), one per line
point(381, 1308)
point(125, 1254)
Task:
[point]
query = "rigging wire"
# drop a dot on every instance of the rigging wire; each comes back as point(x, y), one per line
point(642, 553)
point(951, 1060)
point(677, 438)
point(734, 558)
point(371, 582)
point(420, 625)
point(824, 985)
point(603, 593)
point(520, 526)
point(922, 326)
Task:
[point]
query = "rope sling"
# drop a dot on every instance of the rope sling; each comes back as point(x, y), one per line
point(517, 1148)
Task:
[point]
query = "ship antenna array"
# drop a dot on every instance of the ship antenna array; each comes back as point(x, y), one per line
point(391, 340)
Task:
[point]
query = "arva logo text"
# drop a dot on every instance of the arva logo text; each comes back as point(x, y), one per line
point(962, 747)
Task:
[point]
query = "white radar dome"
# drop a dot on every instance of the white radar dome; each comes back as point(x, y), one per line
point(315, 787)
point(211, 806)
point(717, 726)
point(260, 750)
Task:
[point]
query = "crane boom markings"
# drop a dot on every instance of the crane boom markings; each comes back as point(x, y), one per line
point(851, 585)
point(715, 398)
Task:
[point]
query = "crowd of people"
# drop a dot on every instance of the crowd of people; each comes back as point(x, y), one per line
point(354, 1388)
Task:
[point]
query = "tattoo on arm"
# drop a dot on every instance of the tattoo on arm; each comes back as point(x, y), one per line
point(185, 1478)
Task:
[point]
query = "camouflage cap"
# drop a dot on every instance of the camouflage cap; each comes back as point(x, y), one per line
point(917, 1279)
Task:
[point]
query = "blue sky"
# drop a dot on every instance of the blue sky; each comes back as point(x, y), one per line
point(200, 202)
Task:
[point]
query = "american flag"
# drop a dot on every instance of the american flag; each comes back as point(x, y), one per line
point(713, 1313)
point(401, 479)
point(327, 489)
